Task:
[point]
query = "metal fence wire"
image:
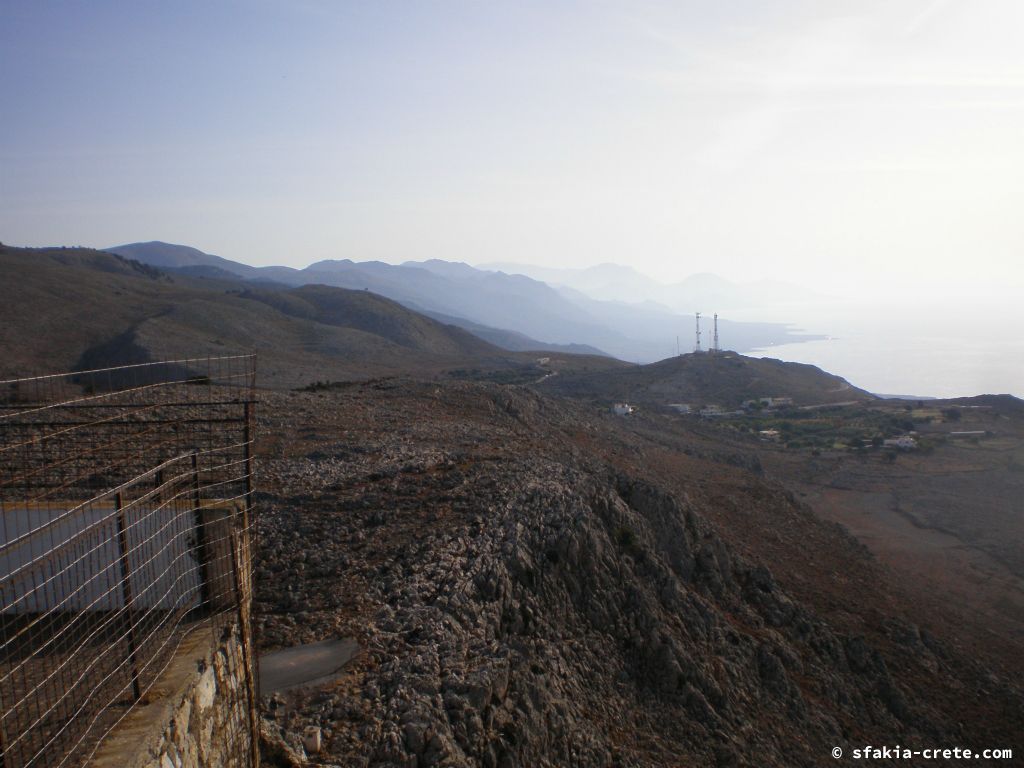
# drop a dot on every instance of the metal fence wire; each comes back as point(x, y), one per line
point(126, 499)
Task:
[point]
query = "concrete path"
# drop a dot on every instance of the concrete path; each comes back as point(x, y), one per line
point(304, 665)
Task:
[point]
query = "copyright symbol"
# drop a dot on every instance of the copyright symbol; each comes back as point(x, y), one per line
point(837, 752)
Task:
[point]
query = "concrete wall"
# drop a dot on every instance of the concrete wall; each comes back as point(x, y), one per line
point(196, 715)
point(85, 574)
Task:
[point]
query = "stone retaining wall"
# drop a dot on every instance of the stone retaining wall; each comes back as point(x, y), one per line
point(197, 714)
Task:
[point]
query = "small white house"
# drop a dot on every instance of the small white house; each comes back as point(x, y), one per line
point(622, 409)
point(903, 442)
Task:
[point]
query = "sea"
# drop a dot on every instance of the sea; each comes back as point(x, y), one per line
point(920, 349)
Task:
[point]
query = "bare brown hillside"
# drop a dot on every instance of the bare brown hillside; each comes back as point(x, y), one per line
point(71, 308)
point(726, 379)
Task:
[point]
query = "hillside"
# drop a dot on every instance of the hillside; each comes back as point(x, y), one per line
point(511, 340)
point(725, 379)
point(533, 585)
point(181, 257)
point(946, 514)
point(373, 314)
point(101, 309)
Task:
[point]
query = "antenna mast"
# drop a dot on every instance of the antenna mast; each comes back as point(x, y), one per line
point(697, 348)
point(716, 347)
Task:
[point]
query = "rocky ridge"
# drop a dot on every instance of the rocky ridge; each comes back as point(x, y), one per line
point(522, 601)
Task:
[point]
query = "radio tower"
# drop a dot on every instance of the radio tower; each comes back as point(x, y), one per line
point(715, 348)
point(697, 348)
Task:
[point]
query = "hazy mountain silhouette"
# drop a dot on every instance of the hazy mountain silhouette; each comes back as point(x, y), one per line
point(514, 303)
point(702, 291)
point(181, 257)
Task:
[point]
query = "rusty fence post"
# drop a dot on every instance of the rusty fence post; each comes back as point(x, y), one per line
point(247, 530)
point(159, 481)
point(243, 574)
point(200, 528)
point(247, 439)
point(126, 594)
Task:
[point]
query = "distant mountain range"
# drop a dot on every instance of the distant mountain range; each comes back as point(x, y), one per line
point(511, 310)
point(699, 292)
point(103, 309)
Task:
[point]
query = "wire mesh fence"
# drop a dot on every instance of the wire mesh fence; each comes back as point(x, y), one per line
point(125, 501)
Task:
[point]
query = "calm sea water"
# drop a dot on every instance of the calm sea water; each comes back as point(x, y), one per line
point(935, 350)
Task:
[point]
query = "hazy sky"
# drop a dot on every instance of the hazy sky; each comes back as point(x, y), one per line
point(835, 144)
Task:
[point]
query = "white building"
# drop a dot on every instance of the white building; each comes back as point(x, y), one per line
point(622, 409)
point(903, 442)
point(680, 407)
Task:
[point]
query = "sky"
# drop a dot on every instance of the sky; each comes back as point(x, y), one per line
point(848, 146)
